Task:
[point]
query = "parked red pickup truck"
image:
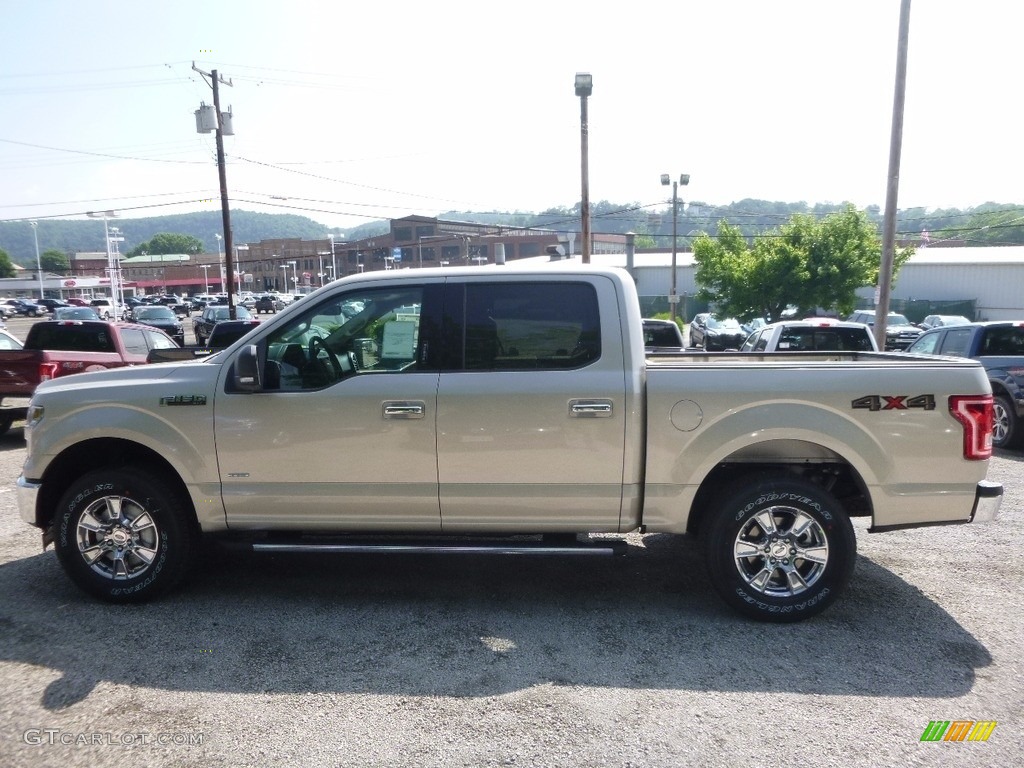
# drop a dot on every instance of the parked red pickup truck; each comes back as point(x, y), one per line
point(58, 348)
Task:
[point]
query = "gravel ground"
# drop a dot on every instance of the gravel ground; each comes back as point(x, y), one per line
point(364, 660)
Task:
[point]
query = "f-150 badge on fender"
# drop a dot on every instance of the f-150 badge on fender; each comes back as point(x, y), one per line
point(183, 400)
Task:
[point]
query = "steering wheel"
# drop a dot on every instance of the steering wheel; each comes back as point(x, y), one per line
point(315, 345)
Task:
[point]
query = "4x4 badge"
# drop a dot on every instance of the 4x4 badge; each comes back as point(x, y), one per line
point(895, 402)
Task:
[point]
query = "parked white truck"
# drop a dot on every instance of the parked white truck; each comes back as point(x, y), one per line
point(501, 409)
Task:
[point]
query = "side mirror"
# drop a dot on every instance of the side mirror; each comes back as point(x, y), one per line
point(247, 370)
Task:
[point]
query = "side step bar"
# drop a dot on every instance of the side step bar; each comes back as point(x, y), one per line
point(602, 547)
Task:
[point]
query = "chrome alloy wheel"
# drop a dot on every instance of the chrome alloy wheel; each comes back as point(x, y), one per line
point(1000, 422)
point(781, 551)
point(117, 537)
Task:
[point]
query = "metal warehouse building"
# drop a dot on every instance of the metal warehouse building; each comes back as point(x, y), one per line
point(992, 277)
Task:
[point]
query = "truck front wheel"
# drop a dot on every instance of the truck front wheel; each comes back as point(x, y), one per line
point(780, 549)
point(124, 536)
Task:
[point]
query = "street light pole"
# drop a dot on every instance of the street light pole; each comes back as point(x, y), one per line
point(295, 277)
point(684, 179)
point(112, 268)
point(584, 87)
point(321, 273)
point(220, 256)
point(206, 278)
point(39, 267)
point(333, 267)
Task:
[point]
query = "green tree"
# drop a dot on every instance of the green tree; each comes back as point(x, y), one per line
point(55, 261)
point(167, 242)
point(6, 267)
point(807, 263)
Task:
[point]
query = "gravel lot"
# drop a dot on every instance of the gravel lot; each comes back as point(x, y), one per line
point(366, 660)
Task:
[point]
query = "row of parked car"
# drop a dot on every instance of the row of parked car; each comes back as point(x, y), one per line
point(711, 333)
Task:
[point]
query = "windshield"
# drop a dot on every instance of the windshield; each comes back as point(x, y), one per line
point(153, 313)
point(729, 324)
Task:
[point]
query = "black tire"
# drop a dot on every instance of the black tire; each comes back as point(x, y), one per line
point(1006, 429)
point(5, 424)
point(773, 582)
point(145, 552)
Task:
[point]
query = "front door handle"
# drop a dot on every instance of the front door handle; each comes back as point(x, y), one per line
point(404, 409)
point(590, 409)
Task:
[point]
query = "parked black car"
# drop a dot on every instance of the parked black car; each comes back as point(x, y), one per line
point(26, 307)
point(160, 317)
point(708, 332)
point(202, 326)
point(52, 304)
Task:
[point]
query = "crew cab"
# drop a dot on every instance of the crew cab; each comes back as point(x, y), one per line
point(999, 346)
point(502, 409)
point(60, 347)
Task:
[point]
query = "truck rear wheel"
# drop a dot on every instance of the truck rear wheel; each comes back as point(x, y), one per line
point(124, 536)
point(781, 549)
point(1006, 429)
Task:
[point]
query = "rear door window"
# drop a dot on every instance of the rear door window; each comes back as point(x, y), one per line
point(516, 326)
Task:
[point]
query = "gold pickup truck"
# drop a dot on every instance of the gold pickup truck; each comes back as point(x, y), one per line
point(502, 409)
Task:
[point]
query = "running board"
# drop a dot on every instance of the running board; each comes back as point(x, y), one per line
point(604, 548)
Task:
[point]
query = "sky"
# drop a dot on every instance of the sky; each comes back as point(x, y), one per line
point(352, 112)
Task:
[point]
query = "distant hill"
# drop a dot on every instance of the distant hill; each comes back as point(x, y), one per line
point(988, 224)
point(72, 236)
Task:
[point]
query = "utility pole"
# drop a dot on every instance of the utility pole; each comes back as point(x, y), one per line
point(216, 80)
point(893, 187)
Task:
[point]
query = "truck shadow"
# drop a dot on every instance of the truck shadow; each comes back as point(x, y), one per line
point(470, 626)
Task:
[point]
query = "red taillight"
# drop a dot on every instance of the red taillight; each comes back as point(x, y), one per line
point(47, 371)
point(974, 412)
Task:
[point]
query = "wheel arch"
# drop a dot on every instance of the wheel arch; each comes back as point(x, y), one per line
point(807, 461)
point(100, 453)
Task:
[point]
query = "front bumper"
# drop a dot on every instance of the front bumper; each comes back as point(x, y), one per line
point(987, 499)
point(28, 495)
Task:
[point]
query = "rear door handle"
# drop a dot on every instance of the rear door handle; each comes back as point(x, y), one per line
point(404, 409)
point(590, 409)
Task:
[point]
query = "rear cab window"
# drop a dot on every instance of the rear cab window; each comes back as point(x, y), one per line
point(510, 326)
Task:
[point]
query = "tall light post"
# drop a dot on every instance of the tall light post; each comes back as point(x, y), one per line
point(684, 179)
point(39, 267)
point(321, 274)
point(295, 277)
point(239, 273)
point(220, 256)
point(285, 278)
point(112, 268)
point(584, 87)
point(206, 278)
point(333, 266)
